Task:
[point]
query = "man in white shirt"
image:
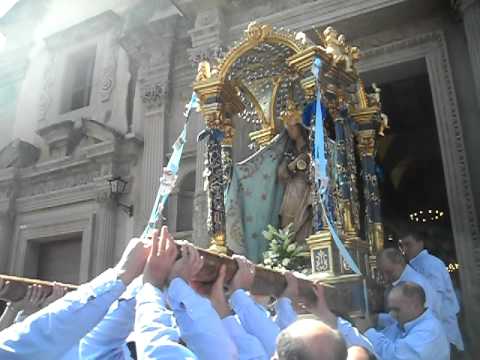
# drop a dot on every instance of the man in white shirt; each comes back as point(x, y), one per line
point(395, 269)
point(416, 335)
point(436, 272)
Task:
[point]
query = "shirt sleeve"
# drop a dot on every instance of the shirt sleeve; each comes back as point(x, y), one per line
point(407, 348)
point(254, 320)
point(249, 348)
point(286, 315)
point(200, 326)
point(352, 336)
point(156, 336)
point(385, 320)
point(107, 340)
point(55, 329)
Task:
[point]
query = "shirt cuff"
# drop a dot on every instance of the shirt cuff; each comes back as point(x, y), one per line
point(107, 282)
point(182, 297)
point(132, 289)
point(372, 335)
point(283, 304)
point(239, 299)
point(150, 294)
point(233, 326)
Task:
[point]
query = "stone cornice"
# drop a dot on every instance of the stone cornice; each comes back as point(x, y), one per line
point(307, 16)
point(84, 30)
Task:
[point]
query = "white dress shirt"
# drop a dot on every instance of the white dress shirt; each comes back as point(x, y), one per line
point(436, 272)
point(200, 326)
point(56, 329)
point(420, 339)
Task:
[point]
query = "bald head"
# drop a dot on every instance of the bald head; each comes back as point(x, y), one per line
point(391, 263)
point(406, 302)
point(310, 339)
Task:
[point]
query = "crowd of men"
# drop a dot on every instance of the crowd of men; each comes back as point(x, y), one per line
point(151, 299)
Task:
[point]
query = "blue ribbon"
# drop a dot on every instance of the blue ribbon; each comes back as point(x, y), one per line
point(172, 167)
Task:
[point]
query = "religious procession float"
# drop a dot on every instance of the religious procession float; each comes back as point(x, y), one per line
point(290, 172)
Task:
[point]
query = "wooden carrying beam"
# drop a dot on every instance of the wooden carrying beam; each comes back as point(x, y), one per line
point(266, 282)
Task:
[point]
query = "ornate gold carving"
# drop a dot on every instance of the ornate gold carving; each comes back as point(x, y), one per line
point(218, 244)
point(347, 219)
point(341, 52)
point(366, 142)
point(228, 131)
point(203, 72)
point(377, 236)
point(256, 32)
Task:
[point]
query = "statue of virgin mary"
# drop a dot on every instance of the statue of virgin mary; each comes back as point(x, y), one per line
point(271, 187)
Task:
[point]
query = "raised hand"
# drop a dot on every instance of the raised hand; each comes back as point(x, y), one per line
point(58, 292)
point(217, 294)
point(133, 260)
point(4, 287)
point(320, 308)
point(291, 291)
point(33, 300)
point(243, 278)
point(189, 265)
point(163, 255)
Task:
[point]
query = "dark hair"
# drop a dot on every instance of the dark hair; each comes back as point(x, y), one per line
point(417, 235)
point(393, 255)
point(412, 291)
point(291, 348)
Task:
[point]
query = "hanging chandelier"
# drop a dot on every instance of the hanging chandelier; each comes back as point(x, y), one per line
point(424, 216)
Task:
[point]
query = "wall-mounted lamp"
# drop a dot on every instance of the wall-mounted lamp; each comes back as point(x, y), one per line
point(118, 187)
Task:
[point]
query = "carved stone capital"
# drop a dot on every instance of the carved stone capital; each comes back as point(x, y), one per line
point(153, 95)
point(103, 195)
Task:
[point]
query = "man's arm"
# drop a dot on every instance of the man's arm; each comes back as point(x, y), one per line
point(200, 326)
point(391, 349)
point(156, 336)
point(253, 319)
point(52, 331)
point(249, 347)
point(107, 340)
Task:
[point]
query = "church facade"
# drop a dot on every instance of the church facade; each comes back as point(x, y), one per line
point(91, 95)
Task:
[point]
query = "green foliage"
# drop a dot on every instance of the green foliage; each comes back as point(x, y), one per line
point(283, 253)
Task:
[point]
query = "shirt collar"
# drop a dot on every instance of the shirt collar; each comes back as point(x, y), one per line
point(402, 276)
point(419, 255)
point(411, 324)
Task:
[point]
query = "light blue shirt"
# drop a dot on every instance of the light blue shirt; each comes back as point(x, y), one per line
point(57, 328)
point(286, 315)
point(107, 340)
point(156, 335)
point(436, 272)
point(432, 299)
point(410, 275)
point(200, 326)
point(420, 339)
point(249, 347)
point(255, 320)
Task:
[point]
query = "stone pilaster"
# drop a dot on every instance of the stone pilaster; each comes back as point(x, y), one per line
point(6, 233)
point(105, 227)
point(152, 47)
point(471, 21)
point(7, 215)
